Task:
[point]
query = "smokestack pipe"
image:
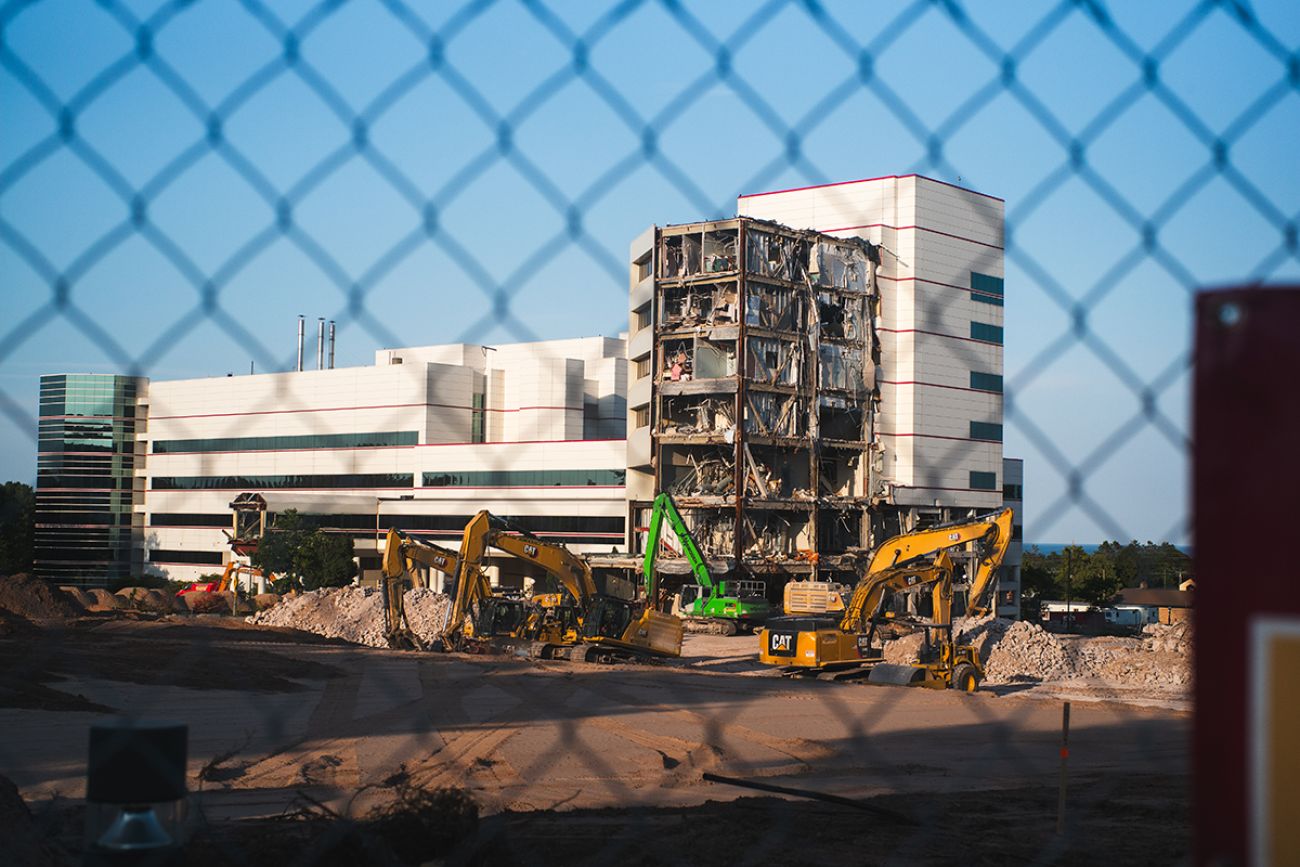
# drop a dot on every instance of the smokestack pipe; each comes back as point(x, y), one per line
point(331, 344)
point(320, 342)
point(302, 329)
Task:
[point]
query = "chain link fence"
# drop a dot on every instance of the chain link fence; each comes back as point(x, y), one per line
point(159, 198)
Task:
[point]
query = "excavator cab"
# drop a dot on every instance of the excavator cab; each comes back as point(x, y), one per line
point(499, 617)
point(607, 617)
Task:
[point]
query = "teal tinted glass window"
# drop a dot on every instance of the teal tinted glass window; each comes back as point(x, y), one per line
point(524, 478)
point(983, 481)
point(986, 285)
point(374, 439)
point(254, 483)
point(983, 430)
point(985, 381)
point(984, 331)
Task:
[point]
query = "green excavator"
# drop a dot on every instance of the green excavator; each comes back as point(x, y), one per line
point(708, 606)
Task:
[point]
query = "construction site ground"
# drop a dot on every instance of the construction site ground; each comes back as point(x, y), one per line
point(561, 753)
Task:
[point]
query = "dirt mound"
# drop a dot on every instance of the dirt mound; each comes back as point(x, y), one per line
point(146, 599)
point(200, 602)
point(79, 596)
point(35, 599)
point(355, 614)
point(102, 600)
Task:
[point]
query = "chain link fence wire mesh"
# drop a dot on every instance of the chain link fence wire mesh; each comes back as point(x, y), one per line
point(179, 180)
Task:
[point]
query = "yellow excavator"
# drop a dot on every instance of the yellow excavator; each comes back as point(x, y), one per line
point(257, 581)
point(585, 625)
point(812, 644)
point(401, 554)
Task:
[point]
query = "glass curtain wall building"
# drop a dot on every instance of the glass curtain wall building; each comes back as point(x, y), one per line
point(85, 476)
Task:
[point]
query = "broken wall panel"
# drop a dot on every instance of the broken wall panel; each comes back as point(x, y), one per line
point(764, 397)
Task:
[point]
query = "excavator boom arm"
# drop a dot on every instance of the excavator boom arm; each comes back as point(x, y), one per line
point(871, 589)
point(569, 569)
point(909, 546)
point(666, 509)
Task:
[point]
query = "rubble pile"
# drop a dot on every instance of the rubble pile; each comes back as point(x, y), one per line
point(1175, 638)
point(983, 633)
point(1024, 652)
point(1029, 653)
point(355, 614)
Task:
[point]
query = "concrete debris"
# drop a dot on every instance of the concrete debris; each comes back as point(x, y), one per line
point(1029, 653)
point(355, 614)
point(1024, 652)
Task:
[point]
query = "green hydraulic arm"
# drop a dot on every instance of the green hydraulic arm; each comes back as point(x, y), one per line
point(664, 507)
point(718, 607)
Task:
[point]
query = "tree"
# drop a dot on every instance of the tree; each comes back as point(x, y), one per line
point(325, 560)
point(1037, 583)
point(17, 528)
point(275, 554)
point(306, 556)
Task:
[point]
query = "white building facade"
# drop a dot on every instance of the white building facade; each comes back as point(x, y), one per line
point(941, 325)
point(422, 440)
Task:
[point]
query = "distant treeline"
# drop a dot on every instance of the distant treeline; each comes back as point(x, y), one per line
point(1095, 577)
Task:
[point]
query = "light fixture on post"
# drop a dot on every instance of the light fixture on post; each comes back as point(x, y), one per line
point(135, 793)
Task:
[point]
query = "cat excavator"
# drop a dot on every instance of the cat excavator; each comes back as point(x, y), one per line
point(831, 649)
point(586, 625)
point(401, 554)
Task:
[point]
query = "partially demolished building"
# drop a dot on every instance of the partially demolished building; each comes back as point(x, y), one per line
point(763, 396)
point(808, 387)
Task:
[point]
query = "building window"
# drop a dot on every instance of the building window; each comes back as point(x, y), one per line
point(190, 519)
point(985, 381)
point(983, 430)
point(983, 481)
point(641, 366)
point(987, 333)
point(374, 439)
point(1017, 532)
point(476, 426)
point(204, 558)
point(524, 478)
point(986, 289)
point(641, 318)
point(255, 483)
point(1013, 492)
point(641, 268)
point(641, 416)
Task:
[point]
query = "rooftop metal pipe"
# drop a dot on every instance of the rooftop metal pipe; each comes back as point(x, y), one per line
point(302, 329)
point(331, 344)
point(320, 342)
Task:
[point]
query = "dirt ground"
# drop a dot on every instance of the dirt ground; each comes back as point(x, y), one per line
point(570, 763)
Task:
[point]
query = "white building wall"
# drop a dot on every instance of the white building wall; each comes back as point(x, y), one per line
point(933, 236)
point(533, 406)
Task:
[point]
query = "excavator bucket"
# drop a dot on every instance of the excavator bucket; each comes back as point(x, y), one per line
point(895, 674)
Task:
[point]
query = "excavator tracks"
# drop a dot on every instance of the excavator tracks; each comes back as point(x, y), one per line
point(709, 626)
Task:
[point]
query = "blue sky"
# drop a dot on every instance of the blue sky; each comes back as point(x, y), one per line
point(432, 173)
